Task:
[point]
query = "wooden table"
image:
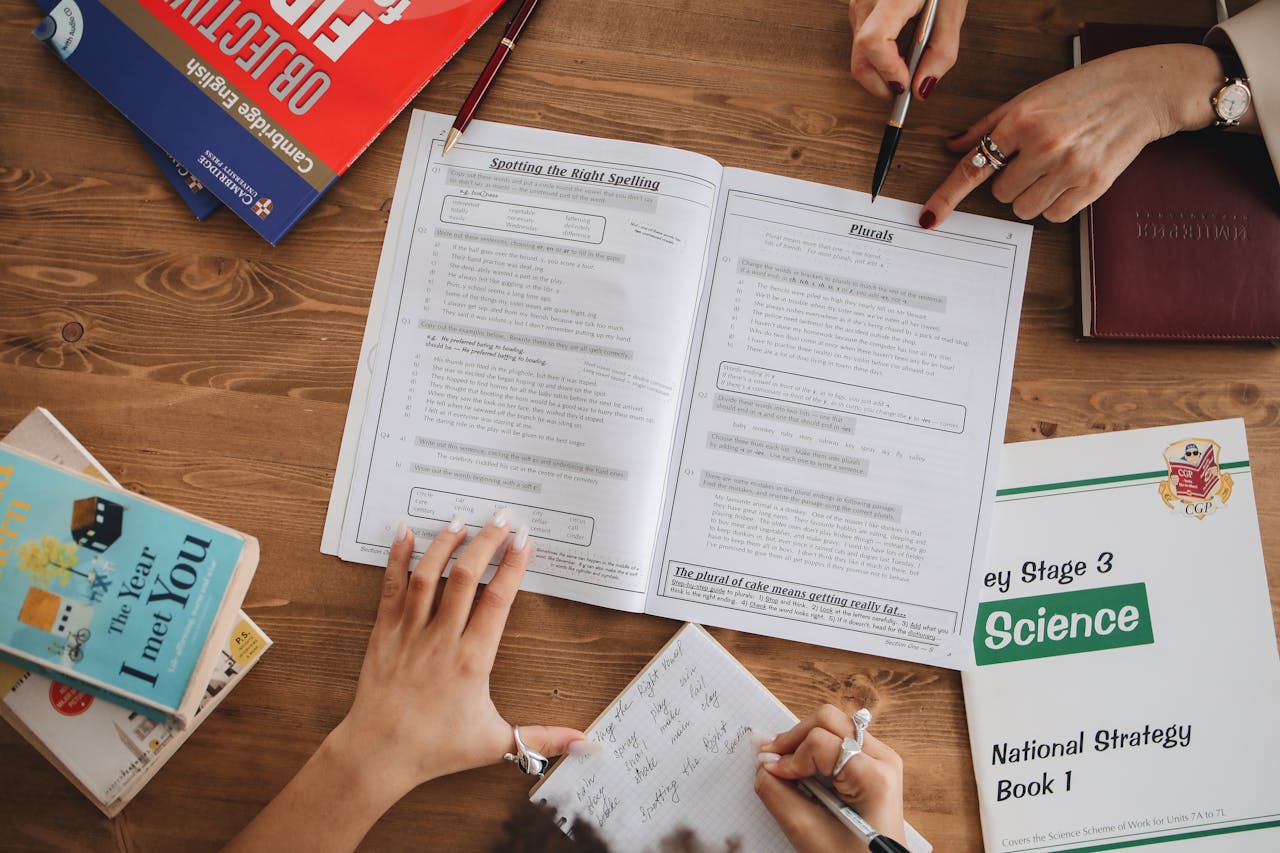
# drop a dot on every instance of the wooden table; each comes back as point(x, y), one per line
point(211, 371)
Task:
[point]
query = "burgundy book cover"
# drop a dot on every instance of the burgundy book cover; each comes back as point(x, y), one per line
point(1186, 242)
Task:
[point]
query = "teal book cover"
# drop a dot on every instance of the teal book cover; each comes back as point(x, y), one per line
point(106, 590)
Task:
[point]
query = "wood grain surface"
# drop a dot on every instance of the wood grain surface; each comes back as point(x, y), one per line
point(207, 369)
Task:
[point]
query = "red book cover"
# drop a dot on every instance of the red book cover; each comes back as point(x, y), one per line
point(1185, 245)
point(266, 102)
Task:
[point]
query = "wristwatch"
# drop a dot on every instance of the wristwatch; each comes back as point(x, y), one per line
point(1232, 99)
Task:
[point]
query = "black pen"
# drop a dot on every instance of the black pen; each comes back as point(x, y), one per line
point(845, 813)
point(898, 115)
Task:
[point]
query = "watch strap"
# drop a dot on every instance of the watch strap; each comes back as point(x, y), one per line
point(1231, 64)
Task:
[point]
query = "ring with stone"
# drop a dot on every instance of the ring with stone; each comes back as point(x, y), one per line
point(530, 761)
point(989, 154)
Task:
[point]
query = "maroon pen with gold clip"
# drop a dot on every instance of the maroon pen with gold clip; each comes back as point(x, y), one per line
point(500, 55)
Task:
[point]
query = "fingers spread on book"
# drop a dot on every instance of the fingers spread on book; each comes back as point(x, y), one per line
point(426, 575)
point(489, 615)
point(460, 590)
point(394, 581)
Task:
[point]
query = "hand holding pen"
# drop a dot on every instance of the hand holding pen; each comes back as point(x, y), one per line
point(877, 65)
point(869, 784)
point(875, 61)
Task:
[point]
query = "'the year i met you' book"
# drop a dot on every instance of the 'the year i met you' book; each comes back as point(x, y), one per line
point(111, 593)
point(107, 751)
point(1127, 679)
point(265, 102)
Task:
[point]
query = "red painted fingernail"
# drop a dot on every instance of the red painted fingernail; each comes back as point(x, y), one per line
point(927, 219)
point(896, 87)
point(926, 86)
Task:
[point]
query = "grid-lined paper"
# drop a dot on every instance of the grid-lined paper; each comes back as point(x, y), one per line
point(677, 753)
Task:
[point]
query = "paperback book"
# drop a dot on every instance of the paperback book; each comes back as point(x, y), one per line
point(112, 593)
point(108, 752)
point(265, 102)
point(712, 394)
point(1126, 674)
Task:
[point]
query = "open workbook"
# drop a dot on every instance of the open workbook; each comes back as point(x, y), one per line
point(714, 394)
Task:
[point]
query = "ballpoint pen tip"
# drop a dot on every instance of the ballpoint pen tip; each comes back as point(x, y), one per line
point(451, 140)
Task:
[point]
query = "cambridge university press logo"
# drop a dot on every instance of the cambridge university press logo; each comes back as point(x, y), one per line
point(263, 208)
point(1196, 485)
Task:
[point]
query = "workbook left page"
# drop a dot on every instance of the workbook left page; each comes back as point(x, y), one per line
point(537, 320)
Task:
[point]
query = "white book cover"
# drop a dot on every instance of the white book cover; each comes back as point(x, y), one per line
point(1126, 678)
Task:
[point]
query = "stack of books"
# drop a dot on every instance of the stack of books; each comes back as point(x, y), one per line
point(120, 620)
point(255, 104)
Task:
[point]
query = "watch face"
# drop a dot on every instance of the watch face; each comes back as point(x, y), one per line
point(1233, 101)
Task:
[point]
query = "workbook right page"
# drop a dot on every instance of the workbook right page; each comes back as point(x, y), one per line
point(836, 451)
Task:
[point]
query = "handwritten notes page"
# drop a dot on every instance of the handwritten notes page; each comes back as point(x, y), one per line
point(677, 753)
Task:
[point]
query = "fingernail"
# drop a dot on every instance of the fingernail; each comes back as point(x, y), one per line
point(584, 747)
point(953, 137)
point(402, 532)
point(459, 521)
point(896, 87)
point(768, 758)
point(501, 517)
point(522, 538)
point(926, 86)
point(927, 219)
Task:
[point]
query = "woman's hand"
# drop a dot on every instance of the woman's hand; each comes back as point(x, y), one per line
point(1071, 135)
point(422, 707)
point(875, 61)
point(870, 782)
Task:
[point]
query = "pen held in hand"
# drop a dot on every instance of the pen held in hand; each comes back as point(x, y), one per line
point(898, 114)
point(855, 822)
point(500, 54)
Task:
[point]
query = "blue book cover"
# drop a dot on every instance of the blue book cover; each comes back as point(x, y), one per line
point(265, 102)
point(190, 189)
point(111, 592)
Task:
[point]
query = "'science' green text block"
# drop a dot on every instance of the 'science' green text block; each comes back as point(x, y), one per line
point(1065, 623)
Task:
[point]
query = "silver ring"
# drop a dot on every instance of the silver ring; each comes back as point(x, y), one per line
point(852, 745)
point(530, 761)
point(989, 154)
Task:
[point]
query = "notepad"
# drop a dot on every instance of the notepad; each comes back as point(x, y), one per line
point(677, 752)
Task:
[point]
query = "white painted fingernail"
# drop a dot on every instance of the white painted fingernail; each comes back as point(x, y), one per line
point(459, 521)
point(768, 757)
point(402, 532)
point(501, 517)
point(522, 538)
point(584, 747)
